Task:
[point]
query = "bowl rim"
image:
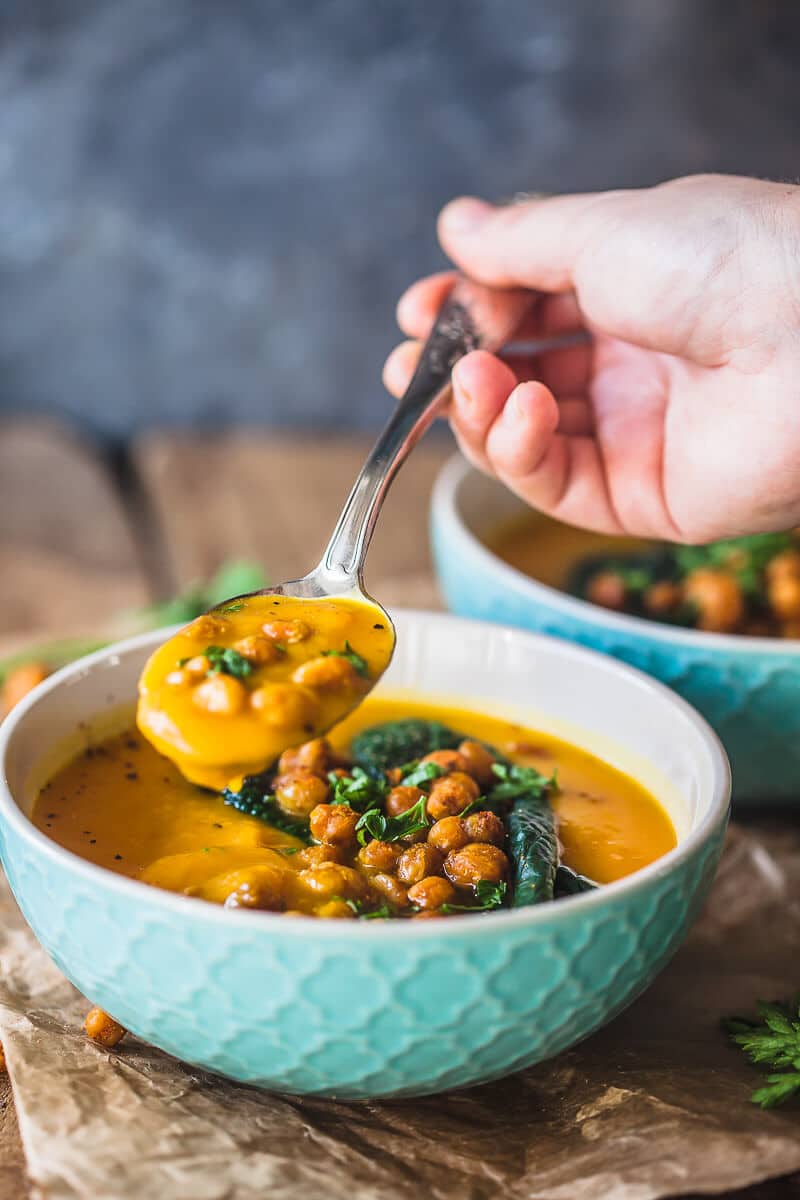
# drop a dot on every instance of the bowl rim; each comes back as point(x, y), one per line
point(271, 923)
point(445, 508)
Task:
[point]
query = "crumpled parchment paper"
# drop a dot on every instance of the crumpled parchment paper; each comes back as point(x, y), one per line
point(654, 1105)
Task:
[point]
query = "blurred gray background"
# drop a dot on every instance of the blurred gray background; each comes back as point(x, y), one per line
point(209, 207)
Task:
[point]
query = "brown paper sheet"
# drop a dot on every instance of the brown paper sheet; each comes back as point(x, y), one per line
point(654, 1105)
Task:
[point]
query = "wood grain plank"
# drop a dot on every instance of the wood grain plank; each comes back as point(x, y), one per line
point(68, 559)
point(275, 498)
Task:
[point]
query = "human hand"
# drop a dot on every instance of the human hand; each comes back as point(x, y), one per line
point(680, 418)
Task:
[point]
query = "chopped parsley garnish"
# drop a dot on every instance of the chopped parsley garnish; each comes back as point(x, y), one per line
point(420, 773)
point(224, 660)
point(375, 824)
point(487, 895)
point(358, 790)
point(356, 661)
point(516, 781)
point(374, 914)
point(234, 606)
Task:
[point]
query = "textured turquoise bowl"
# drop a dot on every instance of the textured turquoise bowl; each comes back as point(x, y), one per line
point(747, 688)
point(359, 1009)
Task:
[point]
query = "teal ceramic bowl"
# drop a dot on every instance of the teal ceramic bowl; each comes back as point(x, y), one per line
point(747, 688)
point(364, 1009)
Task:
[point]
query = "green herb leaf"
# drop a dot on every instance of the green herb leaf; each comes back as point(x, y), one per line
point(358, 790)
point(375, 824)
point(375, 914)
point(487, 896)
point(516, 781)
point(420, 773)
point(772, 1041)
point(224, 660)
point(356, 661)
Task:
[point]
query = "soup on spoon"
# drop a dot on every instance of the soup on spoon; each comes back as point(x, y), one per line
point(228, 694)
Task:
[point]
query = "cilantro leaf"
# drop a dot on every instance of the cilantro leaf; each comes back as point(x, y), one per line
point(375, 914)
point(356, 660)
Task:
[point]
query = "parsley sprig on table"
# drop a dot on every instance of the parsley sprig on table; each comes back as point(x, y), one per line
point(773, 1041)
point(356, 660)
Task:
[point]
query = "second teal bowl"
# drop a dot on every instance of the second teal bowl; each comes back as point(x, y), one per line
point(747, 688)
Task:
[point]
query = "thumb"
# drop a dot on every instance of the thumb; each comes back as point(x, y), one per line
point(533, 244)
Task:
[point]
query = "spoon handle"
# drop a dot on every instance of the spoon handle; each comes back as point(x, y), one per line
point(473, 317)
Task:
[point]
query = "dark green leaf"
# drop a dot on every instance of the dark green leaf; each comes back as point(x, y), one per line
point(255, 799)
point(399, 743)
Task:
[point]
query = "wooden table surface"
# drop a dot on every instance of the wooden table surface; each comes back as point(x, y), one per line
point(83, 536)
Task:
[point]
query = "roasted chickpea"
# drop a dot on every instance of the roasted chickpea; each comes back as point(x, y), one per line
point(485, 827)
point(783, 593)
point(790, 629)
point(253, 887)
point(426, 914)
point(431, 892)
point(607, 589)
point(478, 762)
point(258, 650)
point(287, 632)
point(390, 887)
point(401, 798)
point(311, 756)
point(285, 706)
point(326, 673)
point(784, 566)
point(300, 793)
point(221, 694)
point(448, 834)
point(338, 909)
point(331, 880)
point(717, 598)
point(379, 856)
point(103, 1029)
point(451, 794)
point(19, 682)
point(207, 628)
point(448, 760)
point(475, 862)
point(315, 856)
point(662, 598)
point(417, 862)
point(334, 824)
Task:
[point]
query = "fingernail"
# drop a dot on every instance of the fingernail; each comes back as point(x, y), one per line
point(461, 394)
point(465, 215)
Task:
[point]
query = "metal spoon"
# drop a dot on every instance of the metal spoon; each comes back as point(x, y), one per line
point(473, 317)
